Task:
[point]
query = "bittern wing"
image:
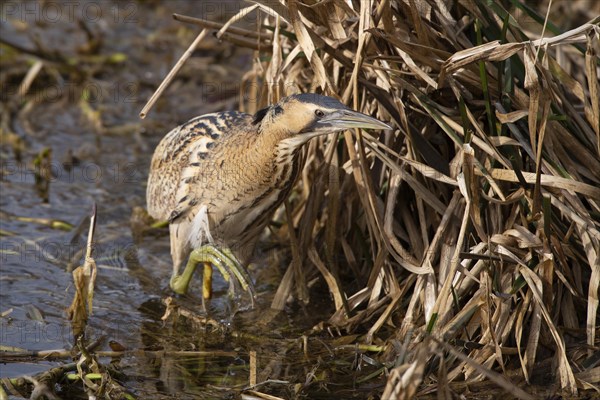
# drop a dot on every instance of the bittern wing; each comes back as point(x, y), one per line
point(184, 157)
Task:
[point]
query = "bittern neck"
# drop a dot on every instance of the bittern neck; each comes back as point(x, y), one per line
point(270, 136)
point(276, 148)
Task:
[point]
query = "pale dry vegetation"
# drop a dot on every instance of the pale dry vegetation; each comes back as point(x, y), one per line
point(466, 240)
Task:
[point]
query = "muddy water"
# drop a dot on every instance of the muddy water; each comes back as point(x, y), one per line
point(101, 61)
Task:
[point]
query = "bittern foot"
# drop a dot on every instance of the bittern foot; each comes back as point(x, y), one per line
point(225, 261)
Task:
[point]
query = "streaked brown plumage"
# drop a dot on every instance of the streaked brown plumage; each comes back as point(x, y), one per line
point(219, 177)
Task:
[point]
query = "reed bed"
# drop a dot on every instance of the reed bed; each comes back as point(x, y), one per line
point(465, 241)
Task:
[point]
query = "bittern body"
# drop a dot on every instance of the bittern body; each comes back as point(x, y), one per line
point(219, 177)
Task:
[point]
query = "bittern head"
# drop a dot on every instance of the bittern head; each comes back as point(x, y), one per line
point(301, 117)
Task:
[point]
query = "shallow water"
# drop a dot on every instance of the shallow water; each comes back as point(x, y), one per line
point(100, 152)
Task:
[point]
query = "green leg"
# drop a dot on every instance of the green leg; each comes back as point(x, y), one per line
point(224, 260)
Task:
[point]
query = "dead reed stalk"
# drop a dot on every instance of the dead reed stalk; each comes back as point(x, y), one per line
point(476, 221)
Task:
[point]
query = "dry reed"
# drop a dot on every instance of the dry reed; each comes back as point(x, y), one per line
point(466, 240)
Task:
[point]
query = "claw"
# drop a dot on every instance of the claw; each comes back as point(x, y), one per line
point(227, 264)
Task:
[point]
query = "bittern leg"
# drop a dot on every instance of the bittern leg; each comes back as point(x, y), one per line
point(224, 260)
point(207, 281)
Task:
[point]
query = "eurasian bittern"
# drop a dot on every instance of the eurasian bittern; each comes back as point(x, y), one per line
point(219, 177)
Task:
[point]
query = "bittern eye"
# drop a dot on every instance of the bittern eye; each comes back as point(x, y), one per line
point(319, 113)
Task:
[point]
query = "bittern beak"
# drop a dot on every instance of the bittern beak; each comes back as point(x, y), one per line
point(348, 119)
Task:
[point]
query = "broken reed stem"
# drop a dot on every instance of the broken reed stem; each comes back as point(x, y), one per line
point(217, 26)
point(207, 25)
point(241, 14)
point(172, 73)
point(92, 230)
